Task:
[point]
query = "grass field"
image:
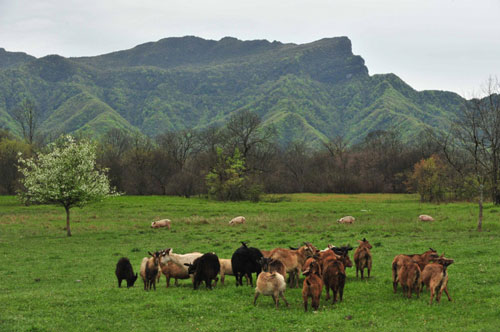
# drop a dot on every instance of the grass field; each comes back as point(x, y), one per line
point(49, 282)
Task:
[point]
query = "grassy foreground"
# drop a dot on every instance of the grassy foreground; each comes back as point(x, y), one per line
point(49, 282)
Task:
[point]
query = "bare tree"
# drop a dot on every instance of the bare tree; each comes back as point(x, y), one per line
point(26, 115)
point(476, 132)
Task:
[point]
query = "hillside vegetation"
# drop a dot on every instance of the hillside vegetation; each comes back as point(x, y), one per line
point(312, 91)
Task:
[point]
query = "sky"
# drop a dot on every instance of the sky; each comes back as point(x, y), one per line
point(449, 45)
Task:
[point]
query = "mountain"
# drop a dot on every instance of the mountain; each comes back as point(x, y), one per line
point(311, 91)
point(13, 59)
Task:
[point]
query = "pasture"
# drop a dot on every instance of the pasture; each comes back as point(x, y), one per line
point(49, 282)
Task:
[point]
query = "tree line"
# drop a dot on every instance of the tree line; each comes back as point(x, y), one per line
point(243, 159)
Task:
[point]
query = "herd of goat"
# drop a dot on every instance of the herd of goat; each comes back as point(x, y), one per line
point(321, 268)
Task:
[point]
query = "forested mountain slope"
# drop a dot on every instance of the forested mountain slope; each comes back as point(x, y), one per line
point(312, 91)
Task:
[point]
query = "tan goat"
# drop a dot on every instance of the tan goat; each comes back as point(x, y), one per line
point(294, 259)
point(272, 284)
point(435, 277)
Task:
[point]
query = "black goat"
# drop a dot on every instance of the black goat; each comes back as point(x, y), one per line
point(204, 268)
point(245, 261)
point(125, 271)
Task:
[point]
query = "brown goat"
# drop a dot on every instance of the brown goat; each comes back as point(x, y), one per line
point(315, 258)
point(149, 270)
point(334, 278)
point(421, 259)
point(266, 253)
point(294, 259)
point(435, 277)
point(363, 257)
point(410, 277)
point(273, 265)
point(313, 285)
point(172, 270)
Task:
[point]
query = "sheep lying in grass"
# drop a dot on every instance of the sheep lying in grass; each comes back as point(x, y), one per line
point(272, 284)
point(161, 223)
point(237, 220)
point(347, 220)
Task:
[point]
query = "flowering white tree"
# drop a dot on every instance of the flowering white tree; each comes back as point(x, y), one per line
point(66, 175)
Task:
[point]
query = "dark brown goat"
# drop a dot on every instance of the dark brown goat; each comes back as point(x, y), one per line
point(149, 270)
point(363, 257)
point(421, 259)
point(273, 265)
point(313, 285)
point(435, 277)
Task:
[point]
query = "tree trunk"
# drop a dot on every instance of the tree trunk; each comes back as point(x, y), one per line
point(68, 229)
point(480, 221)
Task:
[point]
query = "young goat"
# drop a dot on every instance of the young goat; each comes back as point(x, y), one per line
point(421, 259)
point(313, 285)
point(363, 257)
point(409, 277)
point(271, 284)
point(125, 271)
point(149, 270)
point(435, 277)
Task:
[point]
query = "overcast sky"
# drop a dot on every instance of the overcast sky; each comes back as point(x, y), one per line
point(431, 44)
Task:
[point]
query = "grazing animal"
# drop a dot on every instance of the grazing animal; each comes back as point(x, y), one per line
point(204, 268)
point(294, 259)
point(272, 284)
point(227, 269)
point(168, 255)
point(435, 277)
point(245, 261)
point(237, 220)
point(346, 220)
point(172, 270)
point(149, 270)
point(343, 253)
point(334, 278)
point(125, 271)
point(313, 285)
point(315, 258)
point(363, 257)
point(273, 265)
point(425, 217)
point(161, 223)
point(410, 277)
point(421, 259)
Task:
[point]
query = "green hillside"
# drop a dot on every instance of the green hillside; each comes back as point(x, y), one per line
point(311, 91)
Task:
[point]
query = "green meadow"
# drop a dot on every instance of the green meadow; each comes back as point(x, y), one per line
point(49, 282)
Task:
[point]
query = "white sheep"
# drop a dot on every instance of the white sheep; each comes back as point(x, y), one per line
point(346, 220)
point(161, 223)
point(425, 217)
point(237, 220)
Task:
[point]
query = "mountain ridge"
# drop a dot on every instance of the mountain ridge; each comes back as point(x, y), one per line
point(312, 91)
